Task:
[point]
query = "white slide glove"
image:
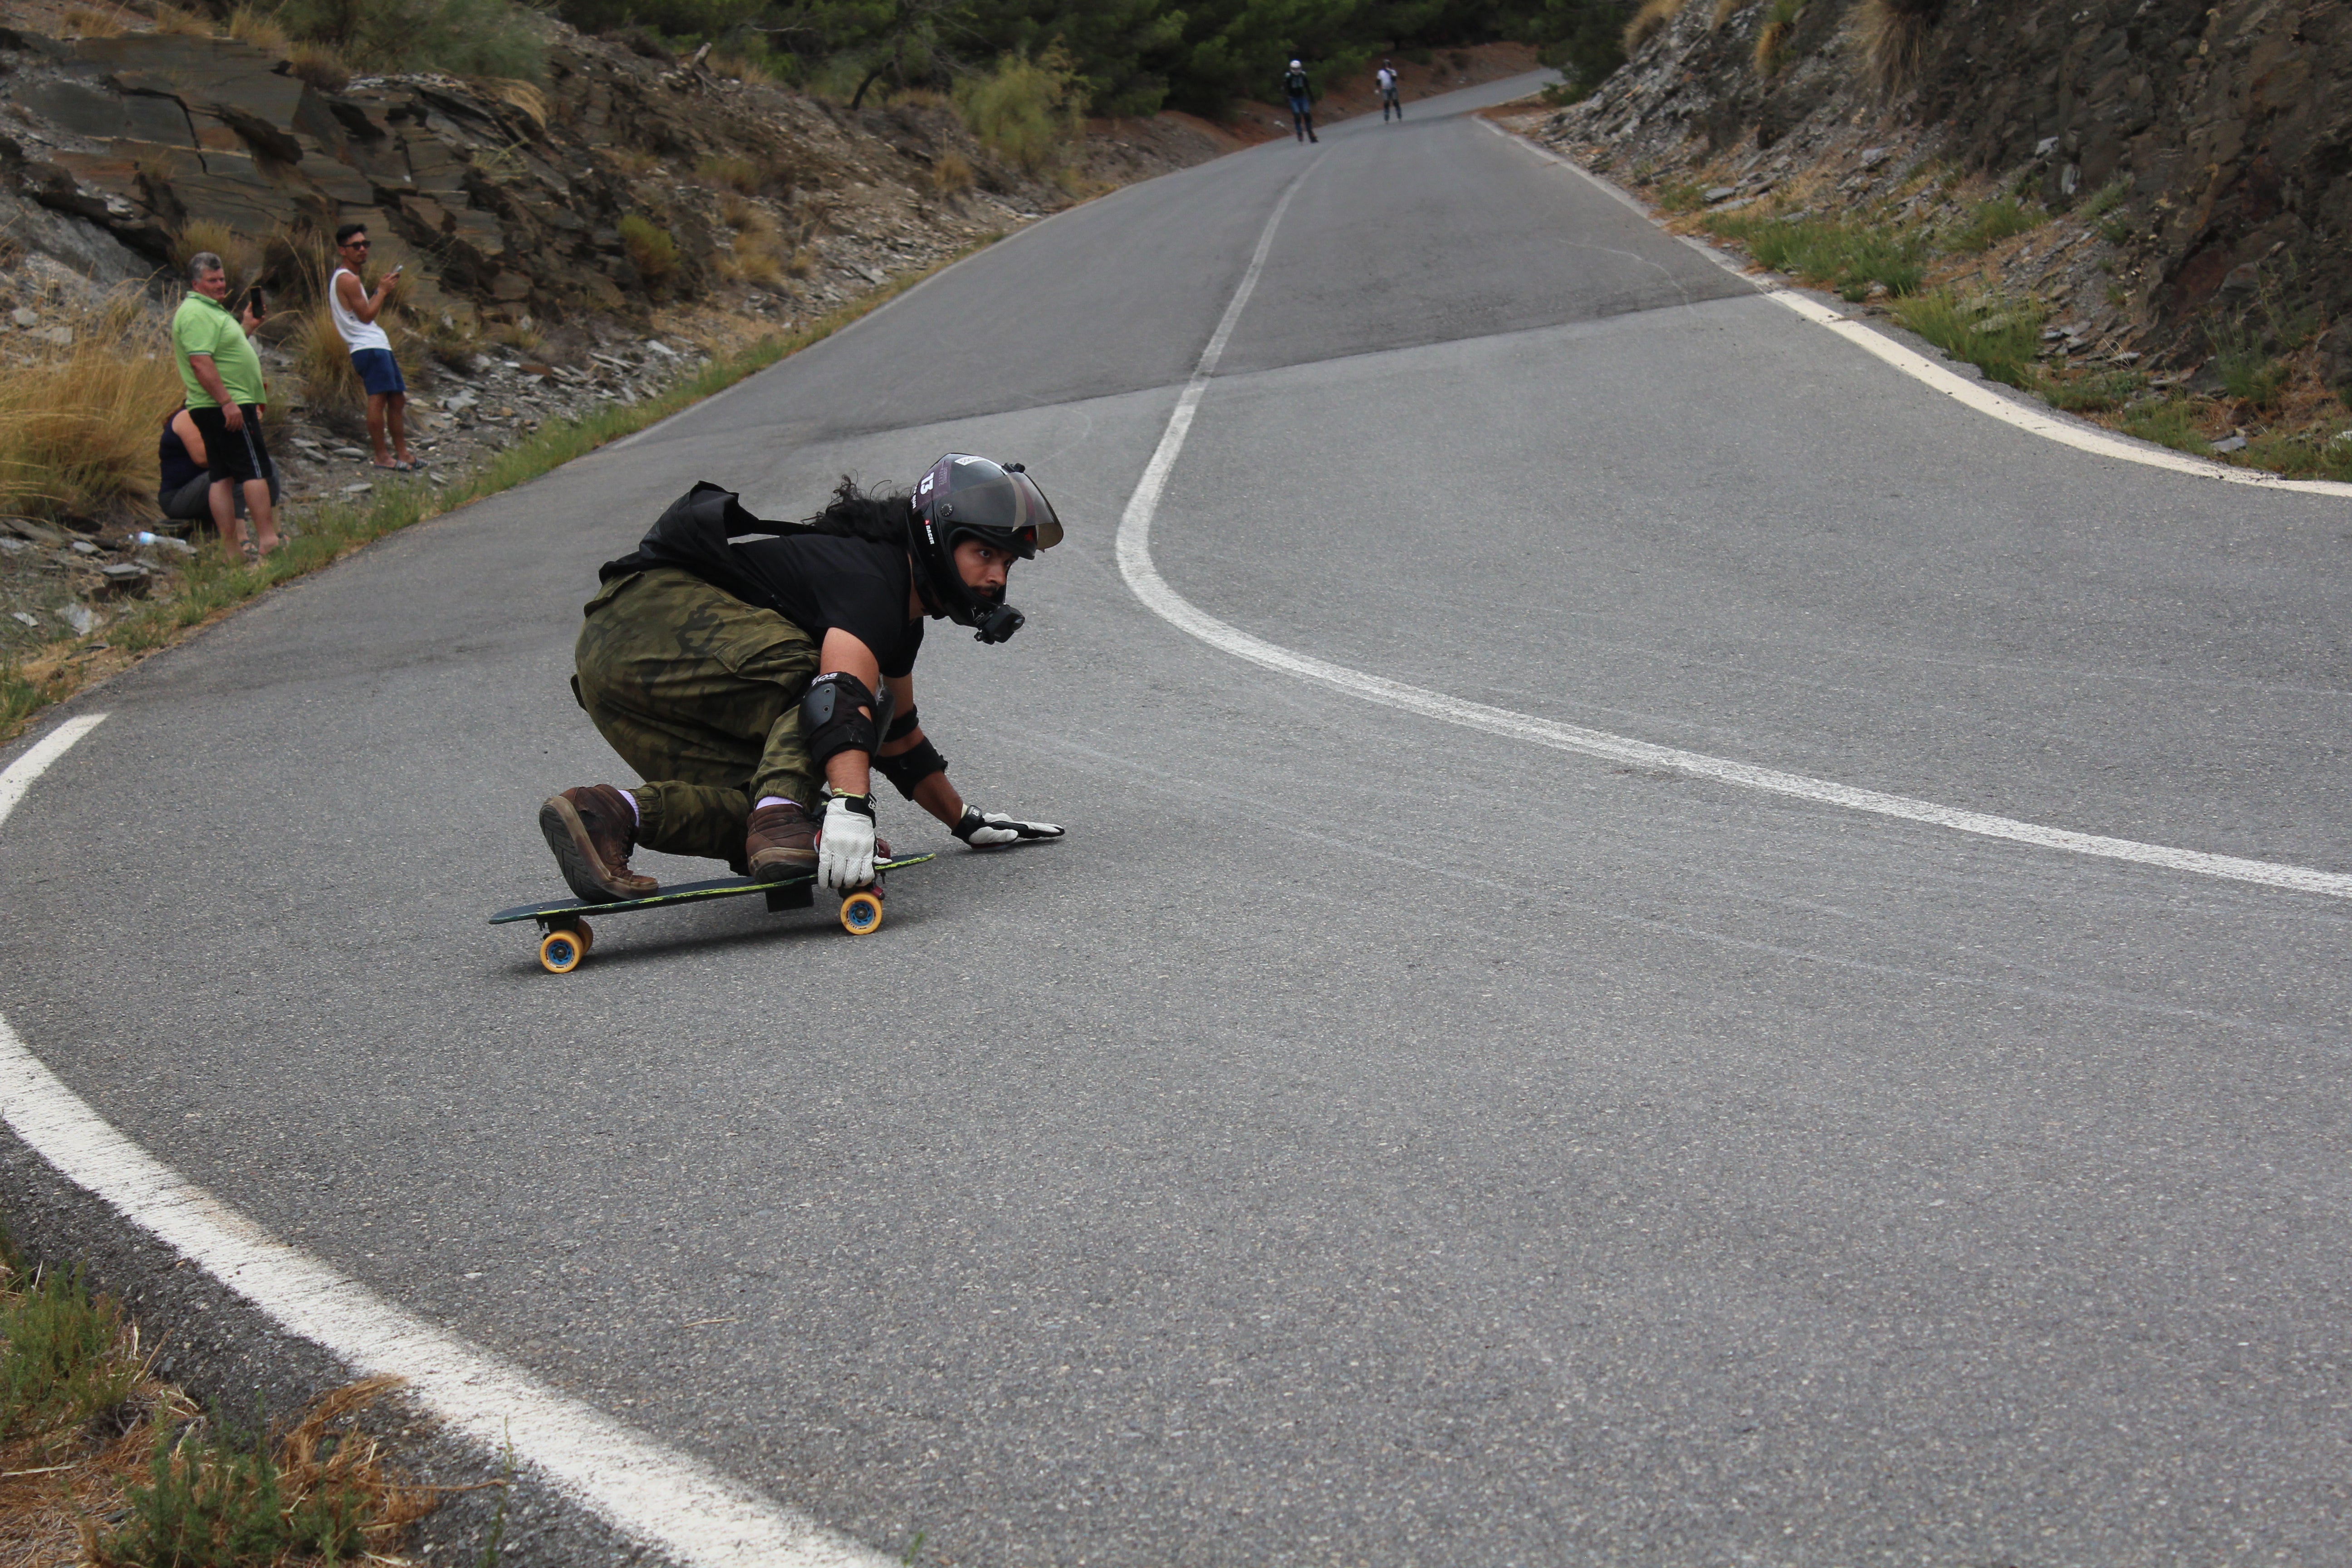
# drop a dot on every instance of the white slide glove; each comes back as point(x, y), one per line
point(987, 829)
point(844, 845)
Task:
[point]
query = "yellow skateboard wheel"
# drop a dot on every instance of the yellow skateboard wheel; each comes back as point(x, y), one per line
point(587, 938)
point(560, 951)
point(861, 913)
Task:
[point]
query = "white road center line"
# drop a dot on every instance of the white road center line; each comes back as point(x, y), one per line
point(1143, 578)
point(646, 1489)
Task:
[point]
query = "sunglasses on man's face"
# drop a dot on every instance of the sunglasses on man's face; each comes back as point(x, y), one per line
point(355, 244)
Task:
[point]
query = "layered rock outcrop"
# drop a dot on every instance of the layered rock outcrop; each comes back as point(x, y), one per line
point(513, 193)
point(2224, 126)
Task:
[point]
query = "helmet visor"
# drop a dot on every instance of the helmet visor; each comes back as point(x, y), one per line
point(1005, 505)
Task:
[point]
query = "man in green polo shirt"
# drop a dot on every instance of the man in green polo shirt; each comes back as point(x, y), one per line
point(222, 376)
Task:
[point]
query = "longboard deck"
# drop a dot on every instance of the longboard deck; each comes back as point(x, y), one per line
point(690, 893)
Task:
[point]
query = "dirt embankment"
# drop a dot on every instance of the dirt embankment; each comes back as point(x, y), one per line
point(2203, 152)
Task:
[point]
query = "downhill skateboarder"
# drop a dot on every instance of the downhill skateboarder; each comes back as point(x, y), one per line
point(745, 669)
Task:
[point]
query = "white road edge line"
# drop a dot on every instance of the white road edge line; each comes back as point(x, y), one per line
point(1135, 565)
point(644, 1488)
point(1919, 368)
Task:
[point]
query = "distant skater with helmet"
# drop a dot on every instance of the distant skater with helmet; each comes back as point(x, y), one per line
point(1387, 77)
point(1294, 88)
point(758, 674)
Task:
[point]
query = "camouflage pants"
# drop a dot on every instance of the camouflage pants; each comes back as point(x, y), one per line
point(700, 693)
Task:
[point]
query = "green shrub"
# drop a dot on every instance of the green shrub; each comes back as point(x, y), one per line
point(1027, 111)
point(1998, 337)
point(1991, 222)
point(2107, 198)
point(2248, 372)
point(1682, 195)
point(650, 248)
point(1848, 258)
point(61, 1365)
point(2094, 393)
point(1779, 31)
point(2167, 425)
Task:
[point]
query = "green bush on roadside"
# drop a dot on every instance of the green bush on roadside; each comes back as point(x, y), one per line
point(1999, 337)
point(63, 1362)
point(2092, 393)
point(1990, 223)
point(1848, 258)
point(2248, 371)
point(2167, 425)
point(1027, 112)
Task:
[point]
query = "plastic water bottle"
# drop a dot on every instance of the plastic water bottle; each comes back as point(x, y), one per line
point(144, 537)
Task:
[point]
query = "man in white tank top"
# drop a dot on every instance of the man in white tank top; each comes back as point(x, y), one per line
point(355, 309)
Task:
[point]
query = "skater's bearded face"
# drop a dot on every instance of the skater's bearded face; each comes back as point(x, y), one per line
point(982, 567)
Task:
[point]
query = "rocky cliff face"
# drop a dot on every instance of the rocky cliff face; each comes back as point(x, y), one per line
point(2222, 133)
point(512, 194)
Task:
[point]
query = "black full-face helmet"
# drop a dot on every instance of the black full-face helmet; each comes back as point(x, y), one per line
point(967, 496)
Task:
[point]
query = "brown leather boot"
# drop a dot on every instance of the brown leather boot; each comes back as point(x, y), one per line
point(592, 831)
point(781, 843)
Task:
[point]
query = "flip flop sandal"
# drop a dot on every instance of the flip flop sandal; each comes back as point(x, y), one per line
point(251, 552)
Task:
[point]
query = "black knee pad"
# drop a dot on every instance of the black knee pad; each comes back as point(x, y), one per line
point(830, 720)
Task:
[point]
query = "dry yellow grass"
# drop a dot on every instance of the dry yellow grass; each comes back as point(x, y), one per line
point(1650, 20)
point(730, 170)
point(804, 263)
point(742, 69)
point(758, 254)
point(633, 161)
point(1724, 10)
point(319, 65)
point(241, 257)
point(171, 19)
point(79, 423)
point(1779, 31)
point(950, 172)
point(1895, 37)
point(90, 21)
point(258, 28)
point(517, 93)
point(323, 361)
point(740, 212)
point(324, 1461)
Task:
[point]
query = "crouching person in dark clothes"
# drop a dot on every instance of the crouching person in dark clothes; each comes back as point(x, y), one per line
point(185, 494)
point(756, 674)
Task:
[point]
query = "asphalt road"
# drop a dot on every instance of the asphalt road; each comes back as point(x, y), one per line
point(1364, 1140)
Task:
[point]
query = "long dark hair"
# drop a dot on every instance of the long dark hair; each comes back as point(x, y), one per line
point(856, 513)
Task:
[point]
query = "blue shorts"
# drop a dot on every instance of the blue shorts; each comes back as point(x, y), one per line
point(379, 372)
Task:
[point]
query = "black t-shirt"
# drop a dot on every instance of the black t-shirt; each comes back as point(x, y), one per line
point(816, 580)
point(819, 581)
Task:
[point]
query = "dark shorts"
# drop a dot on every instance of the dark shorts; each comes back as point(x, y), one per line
point(192, 501)
point(379, 372)
point(239, 455)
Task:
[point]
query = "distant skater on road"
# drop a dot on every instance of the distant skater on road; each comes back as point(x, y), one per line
point(1302, 103)
point(756, 674)
point(1386, 76)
